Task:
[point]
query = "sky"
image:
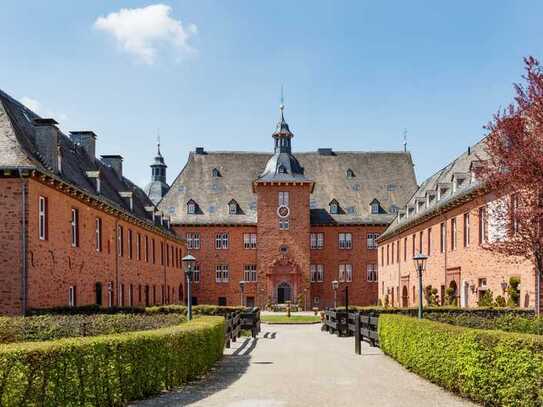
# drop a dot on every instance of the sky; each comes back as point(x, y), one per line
point(209, 73)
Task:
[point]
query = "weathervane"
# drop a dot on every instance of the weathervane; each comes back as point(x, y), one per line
point(405, 140)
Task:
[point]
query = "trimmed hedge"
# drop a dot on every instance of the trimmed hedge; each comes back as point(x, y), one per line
point(108, 370)
point(491, 367)
point(85, 310)
point(43, 328)
point(196, 310)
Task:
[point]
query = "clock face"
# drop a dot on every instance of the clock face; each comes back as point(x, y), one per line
point(283, 211)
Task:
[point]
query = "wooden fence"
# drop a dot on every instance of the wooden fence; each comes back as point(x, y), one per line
point(234, 322)
point(362, 327)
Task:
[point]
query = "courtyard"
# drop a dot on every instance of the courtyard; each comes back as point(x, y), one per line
point(298, 365)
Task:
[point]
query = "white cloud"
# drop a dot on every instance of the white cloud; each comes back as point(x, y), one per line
point(143, 31)
point(32, 104)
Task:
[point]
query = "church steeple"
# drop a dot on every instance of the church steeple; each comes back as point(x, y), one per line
point(158, 187)
point(282, 134)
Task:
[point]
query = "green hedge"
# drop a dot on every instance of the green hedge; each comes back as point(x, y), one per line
point(196, 310)
point(108, 370)
point(491, 367)
point(47, 327)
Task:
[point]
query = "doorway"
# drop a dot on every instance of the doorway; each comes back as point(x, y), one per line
point(283, 293)
point(405, 297)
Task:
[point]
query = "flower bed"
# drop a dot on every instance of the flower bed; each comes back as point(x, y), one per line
point(111, 369)
point(491, 367)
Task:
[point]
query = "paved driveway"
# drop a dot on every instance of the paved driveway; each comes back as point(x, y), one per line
point(300, 366)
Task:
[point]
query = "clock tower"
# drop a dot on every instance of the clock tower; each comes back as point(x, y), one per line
point(283, 225)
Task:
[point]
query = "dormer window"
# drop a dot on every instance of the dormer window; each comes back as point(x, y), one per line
point(282, 169)
point(350, 174)
point(394, 209)
point(410, 211)
point(375, 207)
point(233, 207)
point(430, 198)
point(334, 207)
point(191, 207)
point(215, 173)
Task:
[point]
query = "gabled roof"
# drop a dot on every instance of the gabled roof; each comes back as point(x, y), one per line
point(386, 176)
point(18, 149)
point(461, 165)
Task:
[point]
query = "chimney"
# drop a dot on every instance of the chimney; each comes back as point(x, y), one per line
point(86, 139)
point(200, 151)
point(47, 137)
point(325, 151)
point(114, 161)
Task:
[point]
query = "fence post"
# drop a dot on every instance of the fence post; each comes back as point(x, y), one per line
point(357, 339)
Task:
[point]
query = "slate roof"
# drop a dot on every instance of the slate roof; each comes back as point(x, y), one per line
point(18, 149)
point(459, 168)
point(386, 176)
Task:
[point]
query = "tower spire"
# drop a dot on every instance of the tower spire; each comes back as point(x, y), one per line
point(158, 141)
point(405, 140)
point(282, 105)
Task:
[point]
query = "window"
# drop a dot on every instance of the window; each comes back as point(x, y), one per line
point(221, 273)
point(283, 224)
point(147, 249)
point(98, 234)
point(193, 241)
point(120, 241)
point(453, 234)
point(316, 300)
point(215, 173)
point(483, 225)
point(350, 173)
point(153, 252)
point(138, 246)
point(388, 254)
point(375, 206)
point(514, 214)
point(429, 241)
point(382, 256)
point(345, 241)
point(466, 230)
point(317, 273)
point(42, 218)
point(442, 237)
point(413, 249)
point(249, 272)
point(420, 242)
point(317, 240)
point(249, 240)
point(283, 198)
point(282, 169)
point(372, 240)
point(372, 272)
point(398, 251)
point(405, 249)
point(233, 207)
point(221, 241)
point(129, 243)
point(196, 273)
point(72, 302)
point(334, 207)
point(161, 253)
point(191, 207)
point(75, 227)
point(345, 273)
point(392, 252)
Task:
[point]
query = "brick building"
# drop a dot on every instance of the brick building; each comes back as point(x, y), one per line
point(73, 229)
point(286, 224)
point(449, 219)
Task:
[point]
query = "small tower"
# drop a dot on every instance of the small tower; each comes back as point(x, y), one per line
point(158, 187)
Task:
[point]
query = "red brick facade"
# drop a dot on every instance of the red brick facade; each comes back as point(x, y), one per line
point(42, 278)
point(283, 256)
point(459, 260)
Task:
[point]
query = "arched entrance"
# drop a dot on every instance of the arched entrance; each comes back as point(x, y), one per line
point(405, 297)
point(284, 293)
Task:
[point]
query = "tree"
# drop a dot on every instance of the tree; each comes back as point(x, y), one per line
point(515, 168)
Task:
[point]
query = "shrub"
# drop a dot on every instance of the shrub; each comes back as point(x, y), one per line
point(500, 302)
point(43, 327)
point(85, 310)
point(196, 310)
point(491, 367)
point(486, 300)
point(513, 290)
point(108, 370)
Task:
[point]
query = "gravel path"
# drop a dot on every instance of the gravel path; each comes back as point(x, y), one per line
point(300, 366)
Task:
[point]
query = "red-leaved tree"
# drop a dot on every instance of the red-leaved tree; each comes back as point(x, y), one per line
point(514, 170)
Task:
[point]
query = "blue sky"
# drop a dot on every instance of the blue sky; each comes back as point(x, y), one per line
point(209, 73)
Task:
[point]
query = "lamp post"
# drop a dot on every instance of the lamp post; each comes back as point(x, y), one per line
point(305, 299)
point(241, 287)
point(420, 265)
point(335, 286)
point(188, 262)
point(347, 299)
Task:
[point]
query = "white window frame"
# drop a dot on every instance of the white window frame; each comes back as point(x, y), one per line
point(191, 207)
point(120, 242)
point(222, 273)
point(372, 240)
point(284, 224)
point(283, 198)
point(193, 240)
point(345, 240)
point(249, 273)
point(72, 296)
point(221, 241)
point(138, 246)
point(74, 227)
point(317, 240)
point(371, 271)
point(345, 273)
point(334, 208)
point(130, 241)
point(317, 273)
point(196, 273)
point(249, 240)
point(98, 234)
point(42, 217)
point(375, 208)
point(233, 208)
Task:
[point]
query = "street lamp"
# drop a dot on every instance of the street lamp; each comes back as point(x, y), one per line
point(188, 263)
point(335, 286)
point(420, 265)
point(241, 287)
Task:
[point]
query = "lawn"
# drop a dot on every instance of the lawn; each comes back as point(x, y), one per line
point(294, 319)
